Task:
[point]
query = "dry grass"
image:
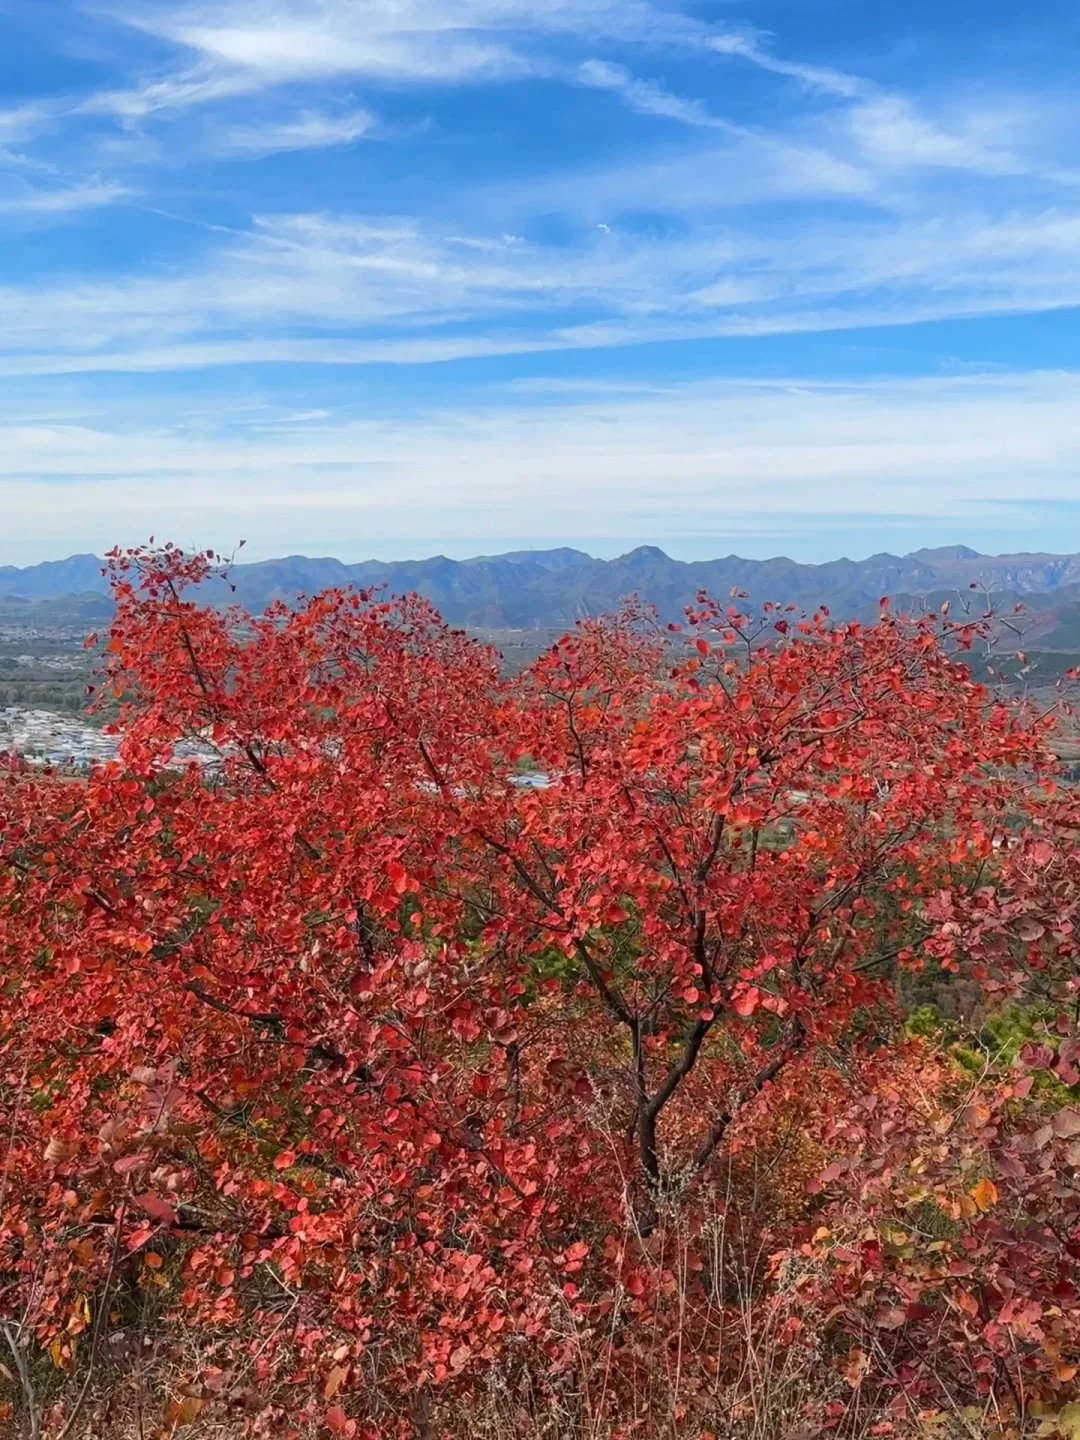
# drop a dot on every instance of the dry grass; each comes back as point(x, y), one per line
point(782, 1395)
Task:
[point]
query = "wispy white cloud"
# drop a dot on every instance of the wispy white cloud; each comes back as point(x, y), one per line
point(889, 129)
point(308, 130)
point(23, 122)
point(310, 39)
point(769, 197)
point(231, 51)
point(708, 177)
point(647, 97)
point(273, 42)
point(168, 95)
point(62, 200)
point(346, 290)
point(717, 457)
point(749, 46)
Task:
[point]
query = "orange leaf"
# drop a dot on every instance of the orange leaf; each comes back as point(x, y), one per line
point(185, 1411)
point(985, 1194)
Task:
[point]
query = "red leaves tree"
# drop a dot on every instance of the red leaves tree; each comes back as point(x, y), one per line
point(389, 1067)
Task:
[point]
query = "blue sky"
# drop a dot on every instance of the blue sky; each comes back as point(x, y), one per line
point(402, 276)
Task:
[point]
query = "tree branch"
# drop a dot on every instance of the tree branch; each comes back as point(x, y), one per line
point(768, 1071)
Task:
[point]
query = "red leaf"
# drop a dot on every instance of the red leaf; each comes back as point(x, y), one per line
point(128, 1164)
point(398, 876)
point(747, 1001)
point(156, 1208)
point(338, 1423)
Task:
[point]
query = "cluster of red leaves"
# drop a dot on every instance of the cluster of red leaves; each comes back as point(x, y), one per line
point(351, 1048)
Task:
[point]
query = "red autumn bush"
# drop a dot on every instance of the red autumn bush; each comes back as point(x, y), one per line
point(378, 1079)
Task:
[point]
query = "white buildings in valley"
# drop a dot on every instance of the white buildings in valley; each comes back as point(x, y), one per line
point(53, 739)
point(45, 738)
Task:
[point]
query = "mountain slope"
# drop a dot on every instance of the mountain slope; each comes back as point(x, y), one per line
point(528, 588)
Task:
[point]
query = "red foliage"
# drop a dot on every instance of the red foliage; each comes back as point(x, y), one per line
point(354, 1050)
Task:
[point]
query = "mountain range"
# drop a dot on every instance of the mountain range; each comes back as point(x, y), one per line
point(531, 589)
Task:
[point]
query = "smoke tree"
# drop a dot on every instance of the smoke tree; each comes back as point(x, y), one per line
point(385, 1072)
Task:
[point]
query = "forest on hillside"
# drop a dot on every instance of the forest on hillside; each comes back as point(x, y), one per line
point(725, 1085)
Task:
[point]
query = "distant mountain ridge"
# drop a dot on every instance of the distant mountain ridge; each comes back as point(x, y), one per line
point(540, 588)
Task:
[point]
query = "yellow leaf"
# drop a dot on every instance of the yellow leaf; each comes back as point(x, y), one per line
point(985, 1194)
point(334, 1381)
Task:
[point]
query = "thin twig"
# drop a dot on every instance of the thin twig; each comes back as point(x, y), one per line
point(9, 1329)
